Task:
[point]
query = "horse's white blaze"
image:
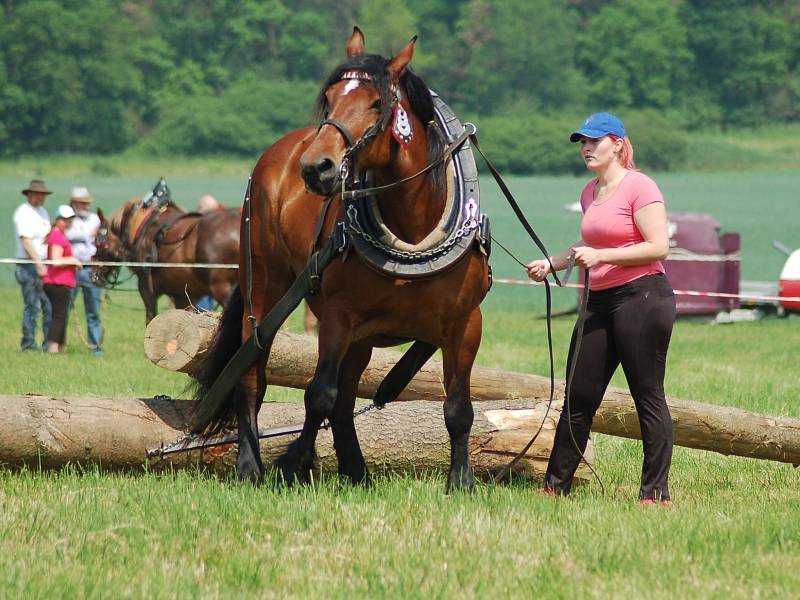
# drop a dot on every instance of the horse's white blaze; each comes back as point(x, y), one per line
point(350, 86)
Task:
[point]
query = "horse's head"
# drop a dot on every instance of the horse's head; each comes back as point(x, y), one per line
point(109, 247)
point(366, 105)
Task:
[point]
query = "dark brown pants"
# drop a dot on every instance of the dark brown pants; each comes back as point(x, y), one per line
point(59, 296)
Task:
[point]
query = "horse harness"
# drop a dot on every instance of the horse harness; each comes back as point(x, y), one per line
point(357, 232)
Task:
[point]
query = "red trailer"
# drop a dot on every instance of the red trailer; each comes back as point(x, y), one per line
point(789, 283)
point(703, 259)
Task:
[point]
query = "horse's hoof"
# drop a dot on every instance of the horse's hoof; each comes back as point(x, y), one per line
point(253, 476)
point(461, 480)
point(290, 472)
point(248, 469)
point(358, 476)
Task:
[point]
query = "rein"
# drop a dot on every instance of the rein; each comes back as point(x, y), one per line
point(446, 153)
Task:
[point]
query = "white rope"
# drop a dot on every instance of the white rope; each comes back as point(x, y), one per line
point(496, 280)
point(677, 292)
point(684, 255)
point(114, 263)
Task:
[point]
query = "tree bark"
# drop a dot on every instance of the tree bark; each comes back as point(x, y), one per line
point(115, 433)
point(726, 430)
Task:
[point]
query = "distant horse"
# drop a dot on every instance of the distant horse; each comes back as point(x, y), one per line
point(161, 232)
point(380, 114)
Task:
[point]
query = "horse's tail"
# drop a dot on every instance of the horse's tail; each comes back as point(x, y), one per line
point(212, 415)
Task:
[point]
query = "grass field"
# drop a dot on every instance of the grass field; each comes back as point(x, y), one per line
point(733, 532)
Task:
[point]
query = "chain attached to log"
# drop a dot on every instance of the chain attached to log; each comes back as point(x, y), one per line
point(196, 441)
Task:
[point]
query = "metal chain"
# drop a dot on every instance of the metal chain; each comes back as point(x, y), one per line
point(469, 225)
point(189, 436)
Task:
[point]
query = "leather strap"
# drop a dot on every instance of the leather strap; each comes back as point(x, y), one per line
point(342, 129)
point(515, 207)
point(360, 193)
point(250, 350)
point(402, 373)
point(247, 242)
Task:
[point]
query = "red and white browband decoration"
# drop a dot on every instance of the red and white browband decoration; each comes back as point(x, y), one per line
point(402, 130)
point(356, 75)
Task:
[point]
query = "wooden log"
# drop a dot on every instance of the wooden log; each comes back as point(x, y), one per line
point(47, 432)
point(180, 341)
point(726, 430)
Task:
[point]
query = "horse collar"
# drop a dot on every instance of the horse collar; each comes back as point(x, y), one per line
point(461, 225)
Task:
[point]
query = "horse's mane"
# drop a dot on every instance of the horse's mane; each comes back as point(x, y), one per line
point(117, 216)
point(417, 92)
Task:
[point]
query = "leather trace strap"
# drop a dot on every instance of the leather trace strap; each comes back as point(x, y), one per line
point(248, 353)
point(248, 255)
point(548, 296)
point(320, 222)
point(515, 207)
point(579, 326)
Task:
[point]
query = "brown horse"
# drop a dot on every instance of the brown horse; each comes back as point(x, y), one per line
point(165, 233)
point(358, 307)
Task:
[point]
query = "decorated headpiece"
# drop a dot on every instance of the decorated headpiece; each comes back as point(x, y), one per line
point(402, 130)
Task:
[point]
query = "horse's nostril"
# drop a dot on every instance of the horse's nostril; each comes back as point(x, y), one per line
point(324, 165)
point(308, 171)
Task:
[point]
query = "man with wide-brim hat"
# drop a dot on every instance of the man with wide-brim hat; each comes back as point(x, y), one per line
point(31, 226)
point(81, 234)
point(36, 186)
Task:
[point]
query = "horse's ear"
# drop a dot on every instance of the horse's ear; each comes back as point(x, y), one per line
point(399, 63)
point(355, 45)
point(100, 214)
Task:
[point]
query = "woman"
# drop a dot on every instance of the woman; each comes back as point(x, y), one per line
point(631, 307)
point(61, 277)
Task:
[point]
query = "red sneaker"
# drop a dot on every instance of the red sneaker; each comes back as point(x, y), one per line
point(653, 502)
point(547, 491)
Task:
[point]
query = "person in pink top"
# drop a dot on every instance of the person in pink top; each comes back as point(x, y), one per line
point(630, 311)
point(60, 278)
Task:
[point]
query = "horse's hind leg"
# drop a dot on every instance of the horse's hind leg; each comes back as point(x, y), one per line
point(249, 395)
point(345, 441)
point(458, 357)
point(320, 398)
point(250, 392)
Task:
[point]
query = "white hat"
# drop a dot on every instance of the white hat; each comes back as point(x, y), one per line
point(65, 211)
point(81, 194)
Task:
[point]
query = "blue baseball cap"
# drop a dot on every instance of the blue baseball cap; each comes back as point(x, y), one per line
point(599, 125)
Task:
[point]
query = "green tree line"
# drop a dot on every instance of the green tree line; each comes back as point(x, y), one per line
point(213, 77)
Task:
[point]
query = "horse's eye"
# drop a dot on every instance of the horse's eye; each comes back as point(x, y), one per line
point(376, 105)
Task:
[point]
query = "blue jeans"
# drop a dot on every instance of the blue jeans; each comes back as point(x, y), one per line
point(206, 303)
point(91, 305)
point(34, 300)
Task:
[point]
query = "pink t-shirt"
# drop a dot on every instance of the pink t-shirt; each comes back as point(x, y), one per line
point(610, 224)
point(59, 275)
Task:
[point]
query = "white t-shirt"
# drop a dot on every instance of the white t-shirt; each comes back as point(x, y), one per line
point(33, 223)
point(81, 236)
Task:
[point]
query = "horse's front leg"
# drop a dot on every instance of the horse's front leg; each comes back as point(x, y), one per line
point(345, 441)
point(320, 398)
point(459, 355)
